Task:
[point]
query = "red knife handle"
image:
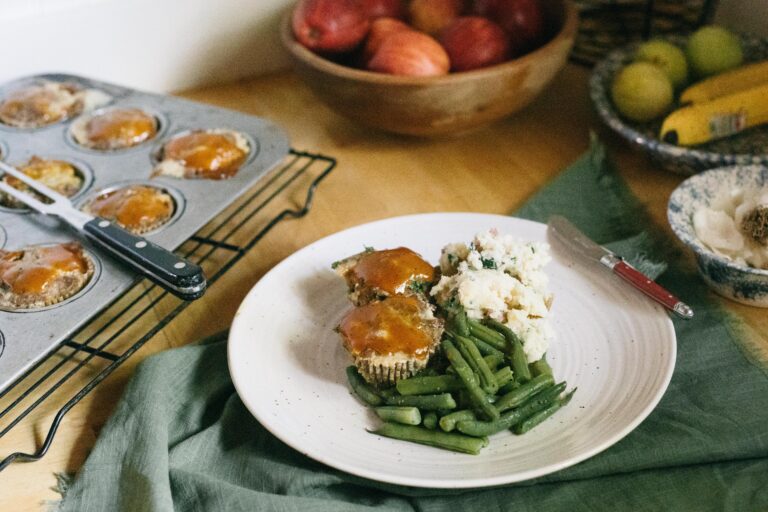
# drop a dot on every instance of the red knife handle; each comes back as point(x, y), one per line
point(652, 289)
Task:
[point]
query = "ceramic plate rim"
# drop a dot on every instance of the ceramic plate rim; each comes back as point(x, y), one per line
point(469, 483)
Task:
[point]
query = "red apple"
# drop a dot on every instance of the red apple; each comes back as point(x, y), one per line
point(384, 8)
point(432, 16)
point(332, 26)
point(474, 42)
point(411, 53)
point(380, 28)
point(523, 20)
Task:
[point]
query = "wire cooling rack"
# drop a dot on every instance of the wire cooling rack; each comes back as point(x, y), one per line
point(96, 350)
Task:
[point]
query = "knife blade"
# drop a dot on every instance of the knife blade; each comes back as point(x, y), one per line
point(569, 235)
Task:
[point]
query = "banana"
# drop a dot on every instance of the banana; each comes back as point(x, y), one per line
point(721, 117)
point(730, 82)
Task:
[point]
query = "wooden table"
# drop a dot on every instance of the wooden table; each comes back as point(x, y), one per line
point(493, 170)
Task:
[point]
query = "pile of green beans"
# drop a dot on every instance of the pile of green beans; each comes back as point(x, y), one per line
point(487, 386)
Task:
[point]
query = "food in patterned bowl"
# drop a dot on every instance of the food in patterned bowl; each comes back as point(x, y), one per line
point(722, 215)
point(749, 147)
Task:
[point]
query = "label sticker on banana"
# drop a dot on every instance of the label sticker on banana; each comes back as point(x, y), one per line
point(723, 125)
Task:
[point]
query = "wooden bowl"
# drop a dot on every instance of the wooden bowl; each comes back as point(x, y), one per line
point(439, 105)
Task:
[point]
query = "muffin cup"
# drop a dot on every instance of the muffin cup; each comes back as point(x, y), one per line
point(86, 99)
point(12, 303)
point(76, 129)
point(82, 169)
point(177, 200)
point(380, 374)
point(180, 171)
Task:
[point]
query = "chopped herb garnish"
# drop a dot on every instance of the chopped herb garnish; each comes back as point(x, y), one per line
point(368, 248)
point(419, 286)
point(488, 263)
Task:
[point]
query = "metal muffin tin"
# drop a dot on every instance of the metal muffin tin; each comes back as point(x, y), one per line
point(30, 334)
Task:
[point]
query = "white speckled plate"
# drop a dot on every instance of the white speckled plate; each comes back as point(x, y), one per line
point(288, 365)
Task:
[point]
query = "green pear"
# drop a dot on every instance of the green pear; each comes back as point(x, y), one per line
point(712, 50)
point(668, 57)
point(642, 92)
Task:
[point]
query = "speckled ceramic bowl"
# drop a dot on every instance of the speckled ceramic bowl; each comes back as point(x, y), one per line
point(732, 280)
point(747, 148)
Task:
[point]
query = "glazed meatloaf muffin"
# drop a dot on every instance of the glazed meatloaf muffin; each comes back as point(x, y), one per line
point(373, 275)
point(114, 128)
point(136, 208)
point(204, 154)
point(39, 276)
point(391, 339)
point(57, 175)
point(46, 102)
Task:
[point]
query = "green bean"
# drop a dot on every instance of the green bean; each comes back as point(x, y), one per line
point(520, 363)
point(425, 402)
point(448, 440)
point(509, 386)
point(493, 361)
point(448, 422)
point(541, 399)
point(464, 401)
point(387, 392)
point(492, 356)
point(524, 392)
point(511, 418)
point(429, 385)
point(485, 348)
point(430, 420)
point(486, 334)
point(503, 376)
point(499, 328)
point(514, 349)
point(459, 322)
point(361, 388)
point(537, 418)
point(471, 362)
point(404, 415)
point(472, 355)
point(540, 367)
point(467, 376)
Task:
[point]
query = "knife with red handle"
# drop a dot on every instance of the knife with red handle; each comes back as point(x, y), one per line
point(572, 237)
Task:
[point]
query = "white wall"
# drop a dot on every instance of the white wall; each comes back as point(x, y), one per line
point(158, 45)
point(169, 45)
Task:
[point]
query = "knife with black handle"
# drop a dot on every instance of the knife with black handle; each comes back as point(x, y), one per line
point(175, 274)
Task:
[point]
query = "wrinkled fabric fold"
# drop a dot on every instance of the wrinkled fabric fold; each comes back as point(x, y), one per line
point(180, 438)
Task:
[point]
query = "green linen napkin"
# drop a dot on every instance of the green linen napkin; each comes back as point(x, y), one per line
point(180, 438)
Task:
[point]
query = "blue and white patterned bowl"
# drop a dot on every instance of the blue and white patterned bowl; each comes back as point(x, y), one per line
point(732, 280)
point(747, 148)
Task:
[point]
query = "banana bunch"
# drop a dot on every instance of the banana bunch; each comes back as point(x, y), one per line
point(720, 106)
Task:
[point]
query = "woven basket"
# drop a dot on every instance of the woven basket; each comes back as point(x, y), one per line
point(609, 24)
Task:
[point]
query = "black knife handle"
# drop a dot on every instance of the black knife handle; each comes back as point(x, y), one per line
point(177, 275)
